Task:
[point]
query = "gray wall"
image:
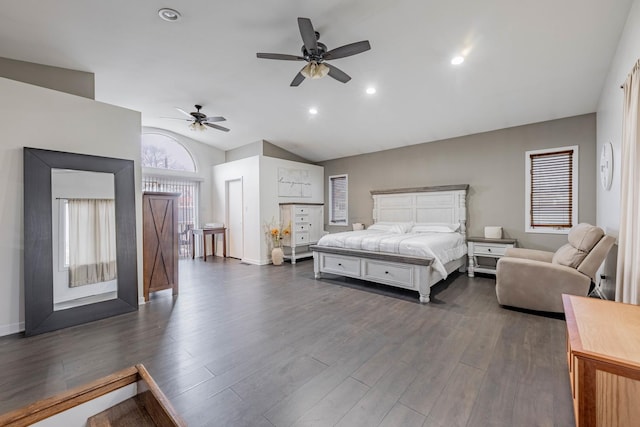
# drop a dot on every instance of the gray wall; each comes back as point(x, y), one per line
point(492, 163)
point(62, 79)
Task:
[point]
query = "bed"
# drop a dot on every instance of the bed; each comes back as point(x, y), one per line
point(407, 246)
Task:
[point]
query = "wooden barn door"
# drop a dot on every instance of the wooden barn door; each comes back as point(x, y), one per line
point(160, 242)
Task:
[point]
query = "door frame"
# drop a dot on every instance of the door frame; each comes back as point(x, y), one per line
point(226, 202)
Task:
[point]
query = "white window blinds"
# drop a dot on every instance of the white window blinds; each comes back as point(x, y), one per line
point(338, 199)
point(552, 189)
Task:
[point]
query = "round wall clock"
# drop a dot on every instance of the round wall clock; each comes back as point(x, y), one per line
point(606, 165)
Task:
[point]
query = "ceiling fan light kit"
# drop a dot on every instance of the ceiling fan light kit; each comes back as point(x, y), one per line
point(314, 70)
point(316, 53)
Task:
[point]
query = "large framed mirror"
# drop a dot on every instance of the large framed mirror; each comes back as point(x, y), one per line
point(80, 256)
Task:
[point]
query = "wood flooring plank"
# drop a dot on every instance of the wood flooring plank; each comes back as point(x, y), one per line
point(290, 409)
point(378, 401)
point(454, 405)
point(400, 415)
point(329, 410)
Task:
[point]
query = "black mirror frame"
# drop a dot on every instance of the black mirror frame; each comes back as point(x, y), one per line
point(38, 246)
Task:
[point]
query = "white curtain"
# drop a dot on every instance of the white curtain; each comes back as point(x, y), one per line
point(628, 273)
point(92, 241)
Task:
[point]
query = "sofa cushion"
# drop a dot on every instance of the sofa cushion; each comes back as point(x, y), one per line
point(569, 256)
point(585, 236)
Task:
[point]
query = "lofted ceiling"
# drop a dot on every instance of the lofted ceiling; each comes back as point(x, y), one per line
point(525, 62)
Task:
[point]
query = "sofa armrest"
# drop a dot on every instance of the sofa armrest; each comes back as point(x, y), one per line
point(537, 285)
point(532, 254)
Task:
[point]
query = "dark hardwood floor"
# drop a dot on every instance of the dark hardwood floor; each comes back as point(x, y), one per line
point(244, 345)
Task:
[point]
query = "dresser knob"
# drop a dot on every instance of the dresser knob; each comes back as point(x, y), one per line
point(488, 249)
point(340, 264)
point(386, 272)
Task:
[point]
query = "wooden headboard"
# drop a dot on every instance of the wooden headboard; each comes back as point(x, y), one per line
point(444, 204)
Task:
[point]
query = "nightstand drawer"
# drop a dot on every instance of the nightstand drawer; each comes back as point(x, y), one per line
point(488, 249)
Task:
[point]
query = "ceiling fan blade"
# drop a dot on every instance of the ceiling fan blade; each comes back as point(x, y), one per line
point(214, 119)
point(337, 73)
point(299, 78)
point(184, 112)
point(280, 56)
point(223, 129)
point(177, 118)
point(348, 50)
point(308, 34)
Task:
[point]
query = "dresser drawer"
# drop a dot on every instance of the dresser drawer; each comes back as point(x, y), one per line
point(301, 219)
point(301, 210)
point(303, 226)
point(395, 274)
point(488, 249)
point(340, 265)
point(301, 238)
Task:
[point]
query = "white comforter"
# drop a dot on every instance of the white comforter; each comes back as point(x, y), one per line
point(442, 247)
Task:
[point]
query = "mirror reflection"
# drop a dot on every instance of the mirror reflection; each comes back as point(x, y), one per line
point(84, 238)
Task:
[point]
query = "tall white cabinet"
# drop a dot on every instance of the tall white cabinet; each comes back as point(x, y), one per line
point(306, 222)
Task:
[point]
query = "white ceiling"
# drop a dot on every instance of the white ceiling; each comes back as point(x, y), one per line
point(525, 62)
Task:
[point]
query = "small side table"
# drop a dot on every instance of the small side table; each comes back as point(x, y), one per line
point(212, 232)
point(490, 248)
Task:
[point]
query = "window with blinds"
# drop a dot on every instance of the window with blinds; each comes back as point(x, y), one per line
point(187, 205)
point(338, 198)
point(552, 190)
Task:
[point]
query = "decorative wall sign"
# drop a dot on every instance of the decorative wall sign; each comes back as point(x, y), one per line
point(294, 183)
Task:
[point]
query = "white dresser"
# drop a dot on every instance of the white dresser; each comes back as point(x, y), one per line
point(306, 222)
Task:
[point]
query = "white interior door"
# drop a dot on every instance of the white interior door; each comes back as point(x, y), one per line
point(235, 232)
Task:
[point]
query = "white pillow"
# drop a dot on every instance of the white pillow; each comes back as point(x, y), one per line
point(392, 227)
point(381, 227)
point(401, 227)
point(435, 228)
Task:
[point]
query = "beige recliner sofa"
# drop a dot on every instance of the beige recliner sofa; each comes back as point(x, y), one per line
point(536, 280)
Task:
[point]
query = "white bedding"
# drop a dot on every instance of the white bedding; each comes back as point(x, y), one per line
point(442, 247)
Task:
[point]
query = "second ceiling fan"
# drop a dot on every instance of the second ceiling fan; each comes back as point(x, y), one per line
point(316, 55)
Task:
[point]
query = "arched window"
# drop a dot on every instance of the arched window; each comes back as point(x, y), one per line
point(163, 152)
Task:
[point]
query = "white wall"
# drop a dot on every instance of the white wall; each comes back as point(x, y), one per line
point(609, 129)
point(259, 176)
point(32, 116)
point(204, 157)
point(249, 171)
point(269, 199)
point(609, 117)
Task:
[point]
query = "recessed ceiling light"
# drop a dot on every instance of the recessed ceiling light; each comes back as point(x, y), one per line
point(313, 111)
point(170, 15)
point(371, 90)
point(457, 60)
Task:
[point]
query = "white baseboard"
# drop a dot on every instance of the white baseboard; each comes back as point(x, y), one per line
point(141, 301)
point(12, 328)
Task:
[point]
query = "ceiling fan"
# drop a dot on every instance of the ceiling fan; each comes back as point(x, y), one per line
point(316, 53)
point(200, 120)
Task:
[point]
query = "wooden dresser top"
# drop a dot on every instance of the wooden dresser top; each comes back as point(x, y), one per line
point(603, 330)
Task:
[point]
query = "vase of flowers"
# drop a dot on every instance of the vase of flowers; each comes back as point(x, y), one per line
point(277, 233)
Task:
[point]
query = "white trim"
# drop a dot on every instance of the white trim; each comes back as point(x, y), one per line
point(330, 192)
point(574, 189)
point(11, 328)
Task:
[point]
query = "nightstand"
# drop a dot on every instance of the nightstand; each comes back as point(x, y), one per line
point(486, 248)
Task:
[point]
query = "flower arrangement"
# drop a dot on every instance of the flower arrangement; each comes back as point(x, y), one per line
point(277, 233)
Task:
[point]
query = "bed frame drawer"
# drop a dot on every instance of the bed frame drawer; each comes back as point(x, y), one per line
point(340, 265)
point(390, 273)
